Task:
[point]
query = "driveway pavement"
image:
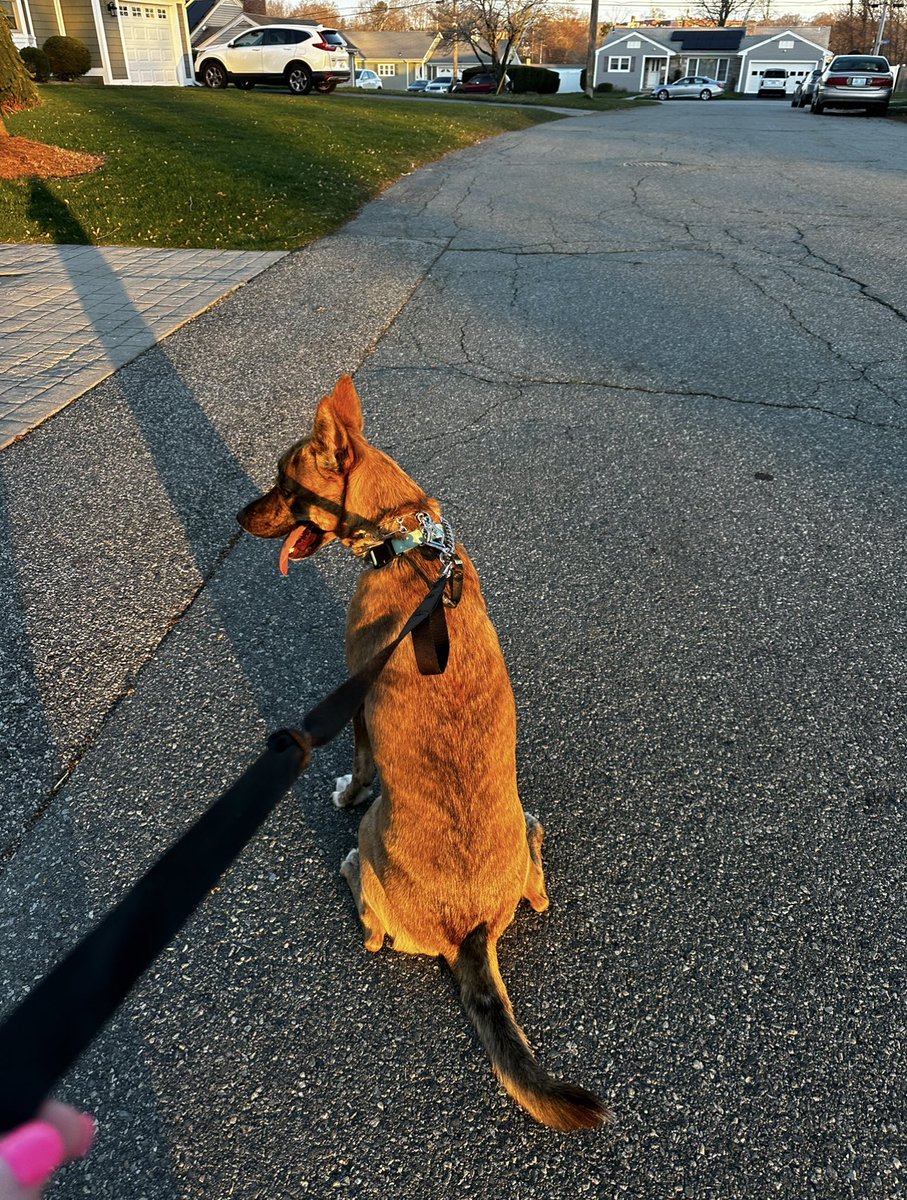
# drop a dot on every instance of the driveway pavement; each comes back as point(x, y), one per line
point(73, 314)
point(653, 363)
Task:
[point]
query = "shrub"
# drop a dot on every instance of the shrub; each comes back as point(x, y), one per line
point(604, 87)
point(36, 63)
point(534, 79)
point(68, 57)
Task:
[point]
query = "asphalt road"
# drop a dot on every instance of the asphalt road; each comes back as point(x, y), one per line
point(653, 364)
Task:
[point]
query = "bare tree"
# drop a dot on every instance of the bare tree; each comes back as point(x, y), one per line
point(719, 12)
point(493, 28)
point(305, 10)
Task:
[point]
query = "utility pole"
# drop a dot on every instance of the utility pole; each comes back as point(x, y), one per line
point(590, 50)
point(880, 32)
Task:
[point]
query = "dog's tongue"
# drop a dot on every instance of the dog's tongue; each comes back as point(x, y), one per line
point(291, 547)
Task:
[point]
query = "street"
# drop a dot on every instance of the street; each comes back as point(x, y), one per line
point(652, 364)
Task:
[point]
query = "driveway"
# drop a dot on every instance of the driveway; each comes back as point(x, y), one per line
point(652, 363)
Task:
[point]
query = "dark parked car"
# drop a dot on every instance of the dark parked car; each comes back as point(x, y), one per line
point(803, 92)
point(417, 85)
point(854, 81)
point(478, 84)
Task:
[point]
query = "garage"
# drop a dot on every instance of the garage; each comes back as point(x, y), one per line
point(795, 71)
point(150, 43)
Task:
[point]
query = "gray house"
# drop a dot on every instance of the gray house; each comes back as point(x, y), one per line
point(638, 59)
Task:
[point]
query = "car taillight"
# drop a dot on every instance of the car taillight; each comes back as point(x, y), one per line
point(882, 81)
point(324, 46)
point(836, 81)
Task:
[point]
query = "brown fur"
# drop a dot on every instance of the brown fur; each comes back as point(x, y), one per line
point(446, 852)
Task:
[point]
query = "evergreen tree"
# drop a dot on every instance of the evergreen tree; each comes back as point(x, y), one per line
point(16, 88)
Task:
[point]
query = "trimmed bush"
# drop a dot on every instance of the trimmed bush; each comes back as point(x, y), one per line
point(69, 58)
point(534, 79)
point(36, 63)
point(604, 87)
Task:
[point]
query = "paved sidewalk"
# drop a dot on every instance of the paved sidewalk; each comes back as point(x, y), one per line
point(73, 314)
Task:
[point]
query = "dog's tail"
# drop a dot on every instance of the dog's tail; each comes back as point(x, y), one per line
point(560, 1105)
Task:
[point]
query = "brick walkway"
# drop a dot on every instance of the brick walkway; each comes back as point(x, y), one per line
point(73, 314)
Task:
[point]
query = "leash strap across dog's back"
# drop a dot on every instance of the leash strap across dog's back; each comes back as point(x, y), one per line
point(56, 1022)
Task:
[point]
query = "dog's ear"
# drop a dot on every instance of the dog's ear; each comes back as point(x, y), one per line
point(338, 416)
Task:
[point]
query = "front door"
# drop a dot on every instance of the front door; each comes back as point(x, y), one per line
point(654, 72)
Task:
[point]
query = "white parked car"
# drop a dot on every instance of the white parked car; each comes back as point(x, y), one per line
point(369, 80)
point(442, 83)
point(301, 56)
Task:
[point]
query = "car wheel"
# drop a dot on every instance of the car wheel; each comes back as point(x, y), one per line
point(705, 94)
point(817, 107)
point(795, 103)
point(326, 86)
point(244, 85)
point(299, 79)
point(213, 75)
point(662, 95)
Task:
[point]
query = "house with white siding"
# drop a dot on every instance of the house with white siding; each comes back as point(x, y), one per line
point(146, 42)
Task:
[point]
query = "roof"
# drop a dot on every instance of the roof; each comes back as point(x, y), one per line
point(388, 44)
point(727, 39)
point(197, 11)
point(817, 35)
point(685, 40)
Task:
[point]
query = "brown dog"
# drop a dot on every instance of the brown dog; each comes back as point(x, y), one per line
point(446, 852)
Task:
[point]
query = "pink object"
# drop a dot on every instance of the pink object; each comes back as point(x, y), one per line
point(33, 1152)
point(89, 1128)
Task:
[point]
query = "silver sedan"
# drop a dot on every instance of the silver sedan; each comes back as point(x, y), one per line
point(698, 87)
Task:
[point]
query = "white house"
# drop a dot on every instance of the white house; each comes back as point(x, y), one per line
point(130, 43)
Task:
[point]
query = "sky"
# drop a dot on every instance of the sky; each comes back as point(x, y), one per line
point(620, 13)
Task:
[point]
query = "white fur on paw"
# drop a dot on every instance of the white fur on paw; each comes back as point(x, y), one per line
point(350, 863)
point(341, 787)
point(341, 783)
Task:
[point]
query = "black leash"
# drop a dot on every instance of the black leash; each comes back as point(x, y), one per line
point(61, 1016)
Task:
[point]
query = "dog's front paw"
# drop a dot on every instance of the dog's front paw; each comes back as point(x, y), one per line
point(345, 795)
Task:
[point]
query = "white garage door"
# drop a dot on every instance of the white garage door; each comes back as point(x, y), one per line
point(795, 71)
point(152, 51)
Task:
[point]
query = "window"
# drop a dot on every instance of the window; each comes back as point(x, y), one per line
point(633, 45)
point(252, 38)
point(713, 68)
point(619, 64)
point(275, 37)
point(387, 69)
point(10, 10)
point(788, 45)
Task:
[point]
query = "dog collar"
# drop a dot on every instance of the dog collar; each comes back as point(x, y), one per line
point(428, 535)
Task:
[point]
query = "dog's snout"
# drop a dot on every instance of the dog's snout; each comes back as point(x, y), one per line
point(267, 517)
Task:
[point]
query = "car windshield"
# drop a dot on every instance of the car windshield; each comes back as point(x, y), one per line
point(852, 62)
point(331, 37)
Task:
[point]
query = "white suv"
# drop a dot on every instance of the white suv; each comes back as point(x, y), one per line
point(301, 56)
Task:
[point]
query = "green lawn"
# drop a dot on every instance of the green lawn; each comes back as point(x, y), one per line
point(227, 170)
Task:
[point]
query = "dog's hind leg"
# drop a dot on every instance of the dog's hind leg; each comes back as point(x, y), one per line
point(535, 891)
point(371, 923)
point(356, 788)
